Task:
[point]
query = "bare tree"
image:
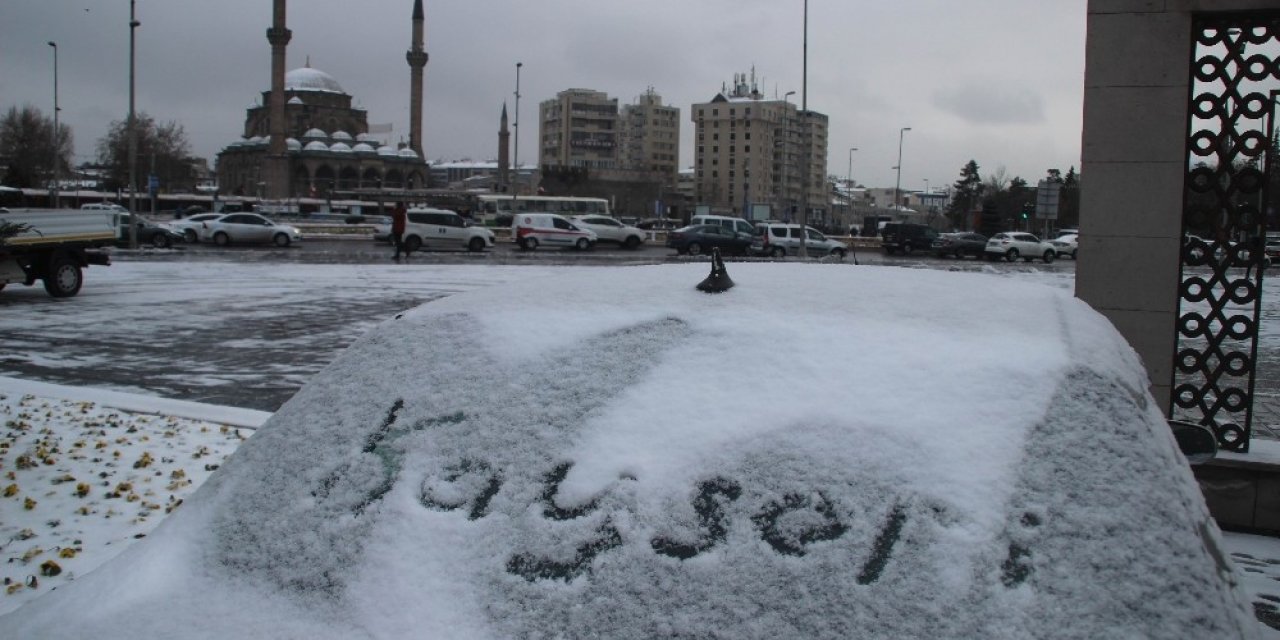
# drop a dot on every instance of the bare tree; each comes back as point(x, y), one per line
point(27, 147)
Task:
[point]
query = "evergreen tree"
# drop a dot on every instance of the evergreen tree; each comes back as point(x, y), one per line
point(966, 195)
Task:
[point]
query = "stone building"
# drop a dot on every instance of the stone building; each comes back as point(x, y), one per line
point(752, 155)
point(578, 129)
point(650, 136)
point(327, 144)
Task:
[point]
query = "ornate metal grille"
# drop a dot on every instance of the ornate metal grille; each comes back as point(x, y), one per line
point(1235, 81)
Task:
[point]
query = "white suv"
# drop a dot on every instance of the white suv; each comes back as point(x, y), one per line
point(610, 230)
point(1011, 245)
point(440, 228)
point(779, 239)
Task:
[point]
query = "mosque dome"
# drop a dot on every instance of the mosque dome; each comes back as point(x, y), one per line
point(308, 79)
point(364, 137)
point(293, 144)
point(408, 153)
point(295, 100)
point(340, 147)
point(342, 135)
point(386, 150)
point(314, 134)
point(316, 145)
point(362, 147)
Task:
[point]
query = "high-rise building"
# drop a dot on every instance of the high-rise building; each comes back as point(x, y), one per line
point(759, 158)
point(578, 129)
point(650, 137)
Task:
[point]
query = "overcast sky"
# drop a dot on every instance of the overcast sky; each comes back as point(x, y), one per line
point(999, 81)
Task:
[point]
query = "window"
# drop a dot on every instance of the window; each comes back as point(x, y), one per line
point(561, 223)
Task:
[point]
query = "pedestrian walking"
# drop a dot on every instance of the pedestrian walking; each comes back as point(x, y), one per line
point(397, 229)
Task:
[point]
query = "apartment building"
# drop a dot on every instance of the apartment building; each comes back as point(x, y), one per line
point(650, 137)
point(579, 129)
point(757, 157)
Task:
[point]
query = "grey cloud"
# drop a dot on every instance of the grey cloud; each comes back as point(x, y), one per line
point(982, 104)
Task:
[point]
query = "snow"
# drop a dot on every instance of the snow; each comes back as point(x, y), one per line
point(610, 453)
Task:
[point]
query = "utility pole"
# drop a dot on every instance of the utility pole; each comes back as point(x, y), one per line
point(808, 142)
point(133, 133)
point(515, 182)
point(57, 147)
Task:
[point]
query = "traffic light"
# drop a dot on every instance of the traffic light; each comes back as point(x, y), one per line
point(1027, 209)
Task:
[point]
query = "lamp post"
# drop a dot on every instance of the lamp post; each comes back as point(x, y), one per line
point(515, 183)
point(808, 147)
point(848, 188)
point(57, 155)
point(133, 132)
point(898, 183)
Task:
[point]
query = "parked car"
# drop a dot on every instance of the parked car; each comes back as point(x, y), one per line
point(532, 230)
point(657, 224)
point(905, 237)
point(728, 222)
point(610, 230)
point(440, 228)
point(1066, 245)
point(779, 239)
point(1011, 245)
point(575, 457)
point(960, 245)
point(1066, 232)
point(248, 228)
point(702, 238)
point(189, 228)
point(148, 232)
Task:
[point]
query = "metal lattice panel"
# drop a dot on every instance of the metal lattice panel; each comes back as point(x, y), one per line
point(1235, 77)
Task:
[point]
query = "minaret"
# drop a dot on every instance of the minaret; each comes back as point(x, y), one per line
point(276, 169)
point(417, 58)
point(504, 160)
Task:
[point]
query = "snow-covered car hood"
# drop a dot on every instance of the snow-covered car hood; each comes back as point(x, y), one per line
point(812, 454)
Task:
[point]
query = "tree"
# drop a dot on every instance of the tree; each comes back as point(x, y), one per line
point(163, 146)
point(27, 148)
point(1069, 201)
point(966, 195)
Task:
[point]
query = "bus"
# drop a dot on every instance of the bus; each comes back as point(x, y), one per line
point(493, 205)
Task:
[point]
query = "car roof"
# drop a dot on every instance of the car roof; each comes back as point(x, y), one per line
point(538, 459)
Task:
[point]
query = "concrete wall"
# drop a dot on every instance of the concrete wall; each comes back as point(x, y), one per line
point(1137, 76)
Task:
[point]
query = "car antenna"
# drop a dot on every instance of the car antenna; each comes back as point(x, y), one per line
point(719, 280)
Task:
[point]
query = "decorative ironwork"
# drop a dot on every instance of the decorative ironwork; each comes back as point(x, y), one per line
point(1235, 82)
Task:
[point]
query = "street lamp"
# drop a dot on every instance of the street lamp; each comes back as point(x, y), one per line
point(898, 184)
point(57, 155)
point(133, 131)
point(515, 183)
point(808, 146)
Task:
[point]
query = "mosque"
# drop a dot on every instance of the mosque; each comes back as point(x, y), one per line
point(307, 140)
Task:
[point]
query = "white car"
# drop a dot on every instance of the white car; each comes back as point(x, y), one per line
point(549, 458)
point(1011, 245)
point(780, 239)
point(1066, 245)
point(611, 230)
point(441, 228)
point(248, 228)
point(532, 230)
point(190, 227)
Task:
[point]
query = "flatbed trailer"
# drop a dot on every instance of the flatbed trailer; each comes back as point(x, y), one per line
point(53, 246)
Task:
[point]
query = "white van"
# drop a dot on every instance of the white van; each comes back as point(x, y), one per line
point(103, 206)
point(532, 230)
point(733, 224)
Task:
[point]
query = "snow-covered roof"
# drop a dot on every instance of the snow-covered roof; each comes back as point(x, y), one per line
point(308, 79)
point(407, 153)
point(554, 458)
point(295, 100)
point(342, 136)
point(316, 145)
point(293, 144)
point(386, 150)
point(316, 134)
point(340, 147)
point(363, 147)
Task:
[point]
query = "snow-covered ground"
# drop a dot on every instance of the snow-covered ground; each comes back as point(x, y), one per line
point(99, 470)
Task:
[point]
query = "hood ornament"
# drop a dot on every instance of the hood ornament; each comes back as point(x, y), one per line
point(719, 279)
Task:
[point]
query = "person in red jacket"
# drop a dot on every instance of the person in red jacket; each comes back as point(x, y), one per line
point(397, 230)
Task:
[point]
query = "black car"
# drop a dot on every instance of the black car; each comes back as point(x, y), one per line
point(906, 237)
point(960, 245)
point(700, 238)
point(149, 233)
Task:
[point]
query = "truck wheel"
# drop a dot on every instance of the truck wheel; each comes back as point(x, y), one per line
point(63, 278)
